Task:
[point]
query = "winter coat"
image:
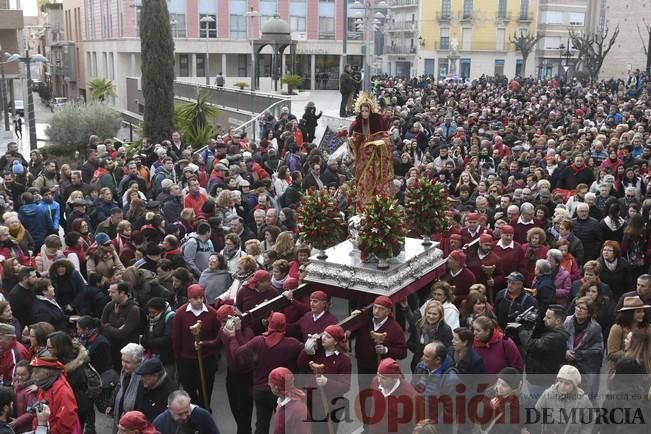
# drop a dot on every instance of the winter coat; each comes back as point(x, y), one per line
point(47, 311)
point(157, 337)
point(552, 400)
point(589, 232)
point(69, 287)
point(215, 283)
point(589, 350)
point(498, 353)
point(77, 377)
point(152, 402)
point(196, 253)
point(620, 280)
point(545, 354)
point(63, 406)
point(36, 221)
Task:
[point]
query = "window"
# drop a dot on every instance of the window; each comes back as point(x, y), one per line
point(207, 26)
point(467, 8)
point(577, 19)
point(297, 24)
point(518, 68)
point(177, 22)
point(326, 27)
point(429, 66)
point(552, 17)
point(499, 67)
point(551, 42)
point(242, 65)
point(524, 9)
point(443, 67)
point(501, 9)
point(201, 65)
point(138, 15)
point(501, 36)
point(466, 38)
point(445, 39)
point(184, 65)
point(238, 27)
point(446, 8)
point(464, 69)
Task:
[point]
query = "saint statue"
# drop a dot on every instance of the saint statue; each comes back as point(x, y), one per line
point(370, 147)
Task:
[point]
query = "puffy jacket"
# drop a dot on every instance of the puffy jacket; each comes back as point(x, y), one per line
point(560, 404)
point(63, 406)
point(36, 221)
point(589, 232)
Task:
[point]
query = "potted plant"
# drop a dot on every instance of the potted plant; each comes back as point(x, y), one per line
point(242, 84)
point(382, 230)
point(292, 81)
point(425, 205)
point(320, 222)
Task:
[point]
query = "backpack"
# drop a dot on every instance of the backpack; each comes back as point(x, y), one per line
point(93, 381)
point(294, 162)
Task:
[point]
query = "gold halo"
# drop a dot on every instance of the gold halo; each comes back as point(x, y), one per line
point(366, 98)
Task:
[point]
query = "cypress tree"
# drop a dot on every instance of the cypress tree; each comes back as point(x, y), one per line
point(157, 51)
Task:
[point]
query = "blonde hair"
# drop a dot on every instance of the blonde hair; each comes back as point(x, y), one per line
point(432, 304)
point(255, 245)
point(75, 195)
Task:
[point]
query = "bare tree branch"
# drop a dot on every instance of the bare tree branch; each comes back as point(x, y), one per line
point(644, 38)
point(524, 43)
point(593, 48)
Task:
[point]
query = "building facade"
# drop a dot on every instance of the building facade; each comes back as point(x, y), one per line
point(471, 37)
point(401, 37)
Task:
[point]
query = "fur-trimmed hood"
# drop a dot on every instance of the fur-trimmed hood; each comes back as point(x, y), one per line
point(57, 263)
point(81, 357)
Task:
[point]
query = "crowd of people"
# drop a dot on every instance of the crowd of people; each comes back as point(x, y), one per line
point(124, 278)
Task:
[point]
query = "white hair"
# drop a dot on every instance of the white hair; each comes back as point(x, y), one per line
point(133, 351)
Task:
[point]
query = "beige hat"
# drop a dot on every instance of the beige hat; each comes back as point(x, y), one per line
point(632, 303)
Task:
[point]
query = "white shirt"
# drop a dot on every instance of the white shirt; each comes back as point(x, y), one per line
point(522, 222)
point(196, 312)
point(331, 353)
point(385, 392)
point(506, 246)
point(376, 326)
point(283, 402)
point(316, 317)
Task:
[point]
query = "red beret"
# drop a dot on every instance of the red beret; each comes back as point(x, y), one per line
point(456, 237)
point(277, 323)
point(389, 367)
point(136, 421)
point(290, 283)
point(259, 276)
point(195, 290)
point(225, 310)
point(485, 238)
point(458, 256)
point(383, 300)
point(473, 216)
point(507, 229)
point(283, 379)
point(338, 334)
point(319, 295)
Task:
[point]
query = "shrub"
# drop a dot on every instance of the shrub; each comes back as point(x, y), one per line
point(75, 123)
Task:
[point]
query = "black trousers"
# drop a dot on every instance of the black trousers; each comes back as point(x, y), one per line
point(190, 379)
point(265, 403)
point(239, 388)
point(342, 107)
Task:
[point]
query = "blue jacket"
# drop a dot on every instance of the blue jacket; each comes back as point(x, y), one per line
point(200, 422)
point(53, 210)
point(37, 222)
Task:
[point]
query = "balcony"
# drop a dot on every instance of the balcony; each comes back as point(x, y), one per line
point(401, 26)
point(477, 46)
point(525, 17)
point(465, 16)
point(503, 17)
point(403, 3)
point(329, 36)
point(443, 17)
point(397, 49)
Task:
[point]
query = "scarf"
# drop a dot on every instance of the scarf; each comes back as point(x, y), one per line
point(532, 252)
point(614, 225)
point(243, 277)
point(19, 233)
point(53, 302)
point(47, 382)
point(428, 332)
point(278, 284)
point(611, 265)
point(126, 397)
point(88, 338)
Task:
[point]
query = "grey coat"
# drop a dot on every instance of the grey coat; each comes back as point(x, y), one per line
point(215, 283)
point(553, 401)
point(589, 352)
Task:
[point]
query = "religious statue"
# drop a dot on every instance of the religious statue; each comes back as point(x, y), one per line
point(370, 147)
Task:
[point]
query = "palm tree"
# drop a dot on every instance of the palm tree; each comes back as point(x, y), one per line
point(195, 119)
point(100, 88)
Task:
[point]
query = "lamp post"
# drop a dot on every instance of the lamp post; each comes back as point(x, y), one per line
point(567, 54)
point(31, 117)
point(251, 15)
point(206, 19)
point(370, 19)
point(540, 71)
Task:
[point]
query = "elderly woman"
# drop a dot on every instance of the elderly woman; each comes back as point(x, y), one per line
point(561, 278)
point(616, 272)
point(585, 343)
point(426, 328)
point(9, 248)
point(533, 250)
point(279, 274)
point(544, 285)
point(246, 266)
point(129, 385)
point(232, 251)
point(216, 279)
point(18, 232)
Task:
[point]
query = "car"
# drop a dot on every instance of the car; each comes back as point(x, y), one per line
point(58, 103)
point(37, 85)
point(19, 107)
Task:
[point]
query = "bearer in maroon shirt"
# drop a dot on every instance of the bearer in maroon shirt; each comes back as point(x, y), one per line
point(291, 412)
point(459, 276)
point(186, 349)
point(318, 318)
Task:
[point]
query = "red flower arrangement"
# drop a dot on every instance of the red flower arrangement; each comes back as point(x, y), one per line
point(426, 205)
point(320, 223)
point(382, 231)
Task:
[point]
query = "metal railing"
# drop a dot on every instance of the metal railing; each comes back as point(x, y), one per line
point(525, 17)
point(403, 3)
point(396, 49)
point(441, 16)
point(475, 46)
point(401, 26)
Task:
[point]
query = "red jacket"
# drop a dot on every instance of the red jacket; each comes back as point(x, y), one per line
point(367, 359)
point(182, 339)
point(194, 202)
point(63, 406)
point(10, 356)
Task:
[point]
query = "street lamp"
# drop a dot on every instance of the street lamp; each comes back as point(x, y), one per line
point(31, 118)
point(251, 15)
point(370, 19)
point(567, 54)
point(206, 67)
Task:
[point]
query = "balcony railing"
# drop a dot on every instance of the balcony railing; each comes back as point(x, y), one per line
point(486, 46)
point(528, 17)
point(503, 16)
point(327, 35)
point(403, 3)
point(401, 26)
point(397, 49)
point(443, 16)
point(465, 16)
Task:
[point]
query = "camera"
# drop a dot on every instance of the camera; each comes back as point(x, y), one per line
point(528, 318)
point(37, 406)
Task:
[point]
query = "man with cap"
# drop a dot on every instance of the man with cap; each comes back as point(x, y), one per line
point(318, 318)
point(509, 251)
point(239, 374)
point(564, 398)
point(292, 415)
point(48, 374)
point(368, 352)
point(512, 300)
point(481, 260)
point(473, 229)
point(182, 416)
point(266, 352)
point(328, 354)
point(458, 275)
point(11, 352)
point(254, 291)
point(186, 349)
point(157, 385)
point(390, 386)
point(110, 225)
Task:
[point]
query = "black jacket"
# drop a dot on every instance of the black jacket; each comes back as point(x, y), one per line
point(48, 312)
point(21, 300)
point(291, 197)
point(589, 232)
point(620, 280)
point(545, 354)
point(506, 310)
point(152, 402)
